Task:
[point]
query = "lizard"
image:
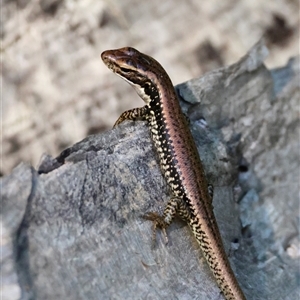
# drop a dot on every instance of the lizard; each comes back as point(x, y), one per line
point(178, 156)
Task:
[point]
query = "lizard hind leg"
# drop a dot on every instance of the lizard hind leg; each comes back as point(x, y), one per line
point(210, 191)
point(158, 222)
point(175, 205)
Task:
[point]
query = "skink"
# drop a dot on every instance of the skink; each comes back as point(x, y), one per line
point(179, 159)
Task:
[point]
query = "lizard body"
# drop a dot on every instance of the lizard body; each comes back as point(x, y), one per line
point(179, 158)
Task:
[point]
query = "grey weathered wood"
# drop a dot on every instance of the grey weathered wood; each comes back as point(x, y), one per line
point(74, 231)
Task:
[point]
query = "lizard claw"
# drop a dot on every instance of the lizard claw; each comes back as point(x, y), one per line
point(158, 222)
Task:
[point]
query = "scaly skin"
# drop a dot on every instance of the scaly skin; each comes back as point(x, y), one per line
point(179, 158)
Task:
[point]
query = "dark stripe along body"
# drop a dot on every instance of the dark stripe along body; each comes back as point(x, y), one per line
point(179, 159)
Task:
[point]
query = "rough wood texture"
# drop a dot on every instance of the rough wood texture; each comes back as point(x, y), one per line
point(73, 231)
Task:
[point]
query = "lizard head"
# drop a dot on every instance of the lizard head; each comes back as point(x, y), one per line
point(141, 71)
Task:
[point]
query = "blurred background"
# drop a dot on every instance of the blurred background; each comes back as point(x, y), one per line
point(55, 89)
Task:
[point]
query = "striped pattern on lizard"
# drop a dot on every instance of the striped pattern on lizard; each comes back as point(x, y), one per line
point(179, 159)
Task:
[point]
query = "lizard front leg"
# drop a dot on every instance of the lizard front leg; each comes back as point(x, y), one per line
point(138, 113)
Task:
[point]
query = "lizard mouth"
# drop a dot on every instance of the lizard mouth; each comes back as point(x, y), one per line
point(110, 61)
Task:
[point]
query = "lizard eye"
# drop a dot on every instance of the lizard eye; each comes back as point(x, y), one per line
point(125, 70)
